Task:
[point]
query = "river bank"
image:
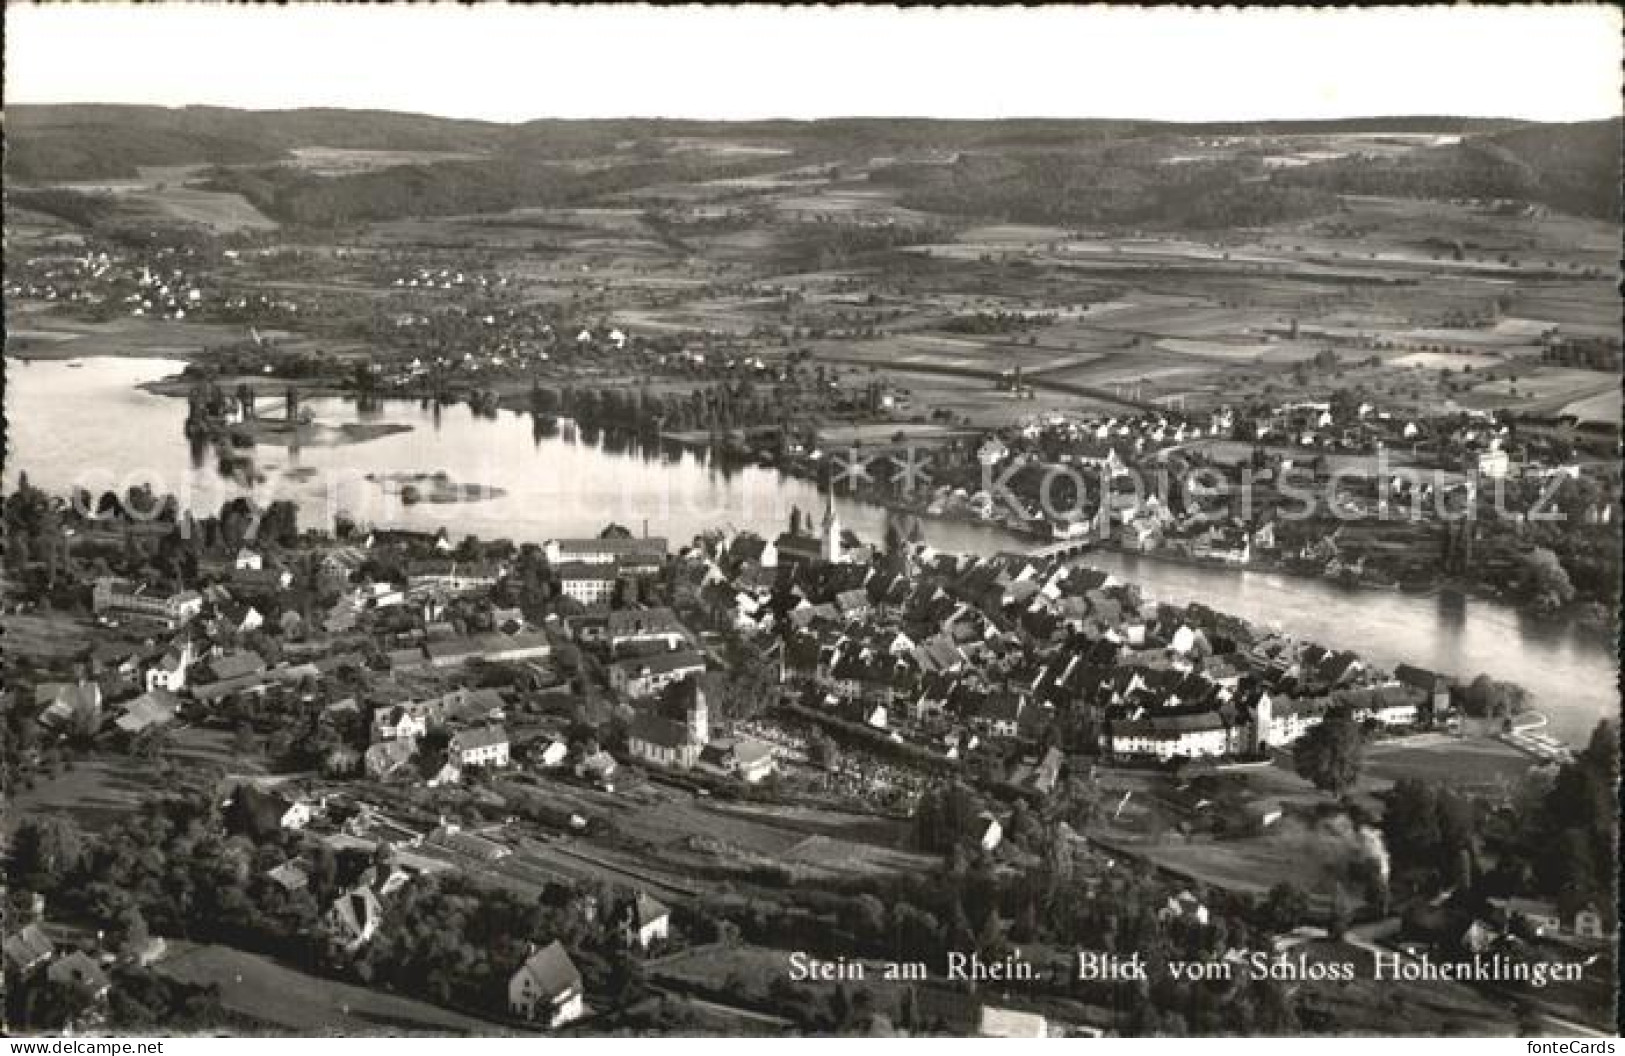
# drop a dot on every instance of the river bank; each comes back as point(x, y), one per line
point(734, 449)
point(96, 427)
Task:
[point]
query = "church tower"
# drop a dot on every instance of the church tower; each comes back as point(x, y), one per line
point(832, 531)
point(699, 716)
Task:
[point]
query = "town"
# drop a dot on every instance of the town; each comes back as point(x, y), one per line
point(647, 750)
point(848, 577)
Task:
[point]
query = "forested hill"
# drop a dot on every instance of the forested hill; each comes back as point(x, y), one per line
point(1573, 168)
point(1055, 171)
point(95, 141)
point(80, 142)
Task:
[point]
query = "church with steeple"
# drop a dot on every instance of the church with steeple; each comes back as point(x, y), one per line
point(803, 545)
point(831, 536)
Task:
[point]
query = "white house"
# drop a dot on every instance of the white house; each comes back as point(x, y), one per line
point(992, 832)
point(547, 988)
point(646, 921)
point(169, 671)
point(483, 746)
point(398, 722)
point(353, 918)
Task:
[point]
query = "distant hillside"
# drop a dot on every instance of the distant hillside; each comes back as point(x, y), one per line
point(1042, 170)
point(497, 184)
point(1572, 168)
point(1122, 184)
point(46, 143)
point(93, 141)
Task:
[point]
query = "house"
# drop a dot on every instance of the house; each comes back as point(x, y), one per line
point(1543, 918)
point(292, 875)
point(234, 665)
point(27, 949)
point(599, 768)
point(748, 759)
point(248, 560)
point(1434, 686)
point(169, 671)
point(998, 714)
point(1263, 813)
point(468, 844)
point(239, 617)
point(1590, 924)
point(1389, 705)
point(990, 831)
point(504, 647)
point(263, 813)
point(154, 708)
point(633, 555)
point(492, 647)
point(645, 921)
point(553, 755)
point(339, 565)
point(641, 627)
point(654, 738)
point(353, 918)
point(547, 988)
point(646, 675)
point(1184, 906)
point(1478, 937)
point(65, 704)
point(78, 971)
point(1009, 1023)
point(482, 746)
point(399, 722)
point(442, 576)
point(589, 584)
point(1165, 737)
point(1327, 667)
point(1048, 771)
point(798, 549)
point(1492, 464)
point(387, 757)
point(852, 604)
point(111, 596)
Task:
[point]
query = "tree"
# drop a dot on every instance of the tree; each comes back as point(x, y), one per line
point(44, 850)
point(131, 933)
point(1286, 906)
point(279, 523)
point(823, 751)
point(1330, 754)
point(1545, 580)
point(1487, 698)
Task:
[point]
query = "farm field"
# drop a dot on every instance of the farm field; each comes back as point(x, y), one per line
point(1474, 764)
point(1253, 866)
point(97, 790)
point(340, 161)
point(54, 636)
point(812, 842)
point(43, 336)
point(1368, 1006)
point(292, 1001)
point(95, 793)
point(1603, 407)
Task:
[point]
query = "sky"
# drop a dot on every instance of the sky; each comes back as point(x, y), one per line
point(513, 63)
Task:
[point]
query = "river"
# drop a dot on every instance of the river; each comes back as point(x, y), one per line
point(88, 425)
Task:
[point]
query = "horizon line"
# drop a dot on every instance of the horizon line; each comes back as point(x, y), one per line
point(770, 119)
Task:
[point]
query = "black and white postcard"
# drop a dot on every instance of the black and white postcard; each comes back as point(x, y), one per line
point(545, 522)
